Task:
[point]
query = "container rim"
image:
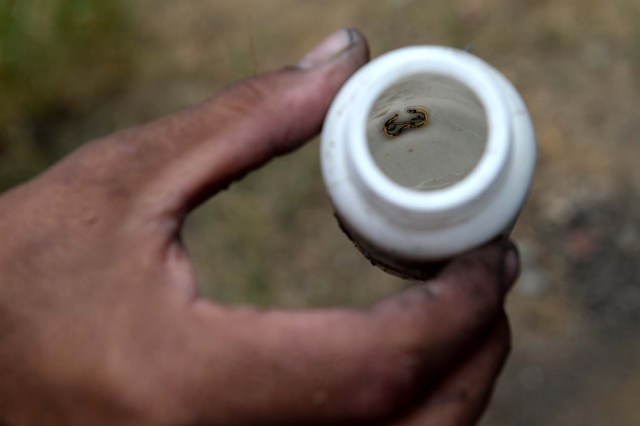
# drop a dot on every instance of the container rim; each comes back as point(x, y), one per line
point(457, 65)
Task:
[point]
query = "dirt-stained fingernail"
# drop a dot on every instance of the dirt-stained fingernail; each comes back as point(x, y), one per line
point(337, 43)
point(511, 266)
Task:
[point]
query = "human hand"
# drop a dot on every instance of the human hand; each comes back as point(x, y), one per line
point(101, 323)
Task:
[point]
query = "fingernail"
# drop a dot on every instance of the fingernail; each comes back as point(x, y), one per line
point(337, 43)
point(511, 266)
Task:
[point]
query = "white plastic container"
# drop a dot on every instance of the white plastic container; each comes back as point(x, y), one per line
point(426, 152)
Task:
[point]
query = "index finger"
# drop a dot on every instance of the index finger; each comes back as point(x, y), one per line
point(461, 398)
point(348, 367)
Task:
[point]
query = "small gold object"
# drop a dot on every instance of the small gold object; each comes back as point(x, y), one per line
point(392, 128)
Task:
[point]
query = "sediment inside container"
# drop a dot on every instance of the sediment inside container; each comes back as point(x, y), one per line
point(427, 132)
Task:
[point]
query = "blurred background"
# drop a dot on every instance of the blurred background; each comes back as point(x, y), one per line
point(74, 70)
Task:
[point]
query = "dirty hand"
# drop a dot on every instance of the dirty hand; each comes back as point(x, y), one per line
point(101, 323)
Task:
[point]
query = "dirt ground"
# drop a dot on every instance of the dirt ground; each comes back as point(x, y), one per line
point(272, 240)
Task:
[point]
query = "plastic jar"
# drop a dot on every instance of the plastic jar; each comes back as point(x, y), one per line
point(426, 152)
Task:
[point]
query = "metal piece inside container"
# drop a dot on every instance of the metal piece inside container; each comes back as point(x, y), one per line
point(428, 151)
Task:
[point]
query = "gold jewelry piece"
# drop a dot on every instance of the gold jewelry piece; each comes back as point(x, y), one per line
point(393, 128)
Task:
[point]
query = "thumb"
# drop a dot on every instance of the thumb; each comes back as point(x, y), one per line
point(270, 115)
point(172, 164)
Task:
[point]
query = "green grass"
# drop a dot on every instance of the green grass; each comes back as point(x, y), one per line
point(56, 57)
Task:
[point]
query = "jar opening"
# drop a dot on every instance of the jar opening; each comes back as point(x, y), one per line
point(427, 132)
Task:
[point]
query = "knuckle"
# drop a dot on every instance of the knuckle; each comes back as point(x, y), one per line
point(148, 400)
point(480, 285)
point(386, 386)
point(480, 273)
point(243, 97)
point(101, 173)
